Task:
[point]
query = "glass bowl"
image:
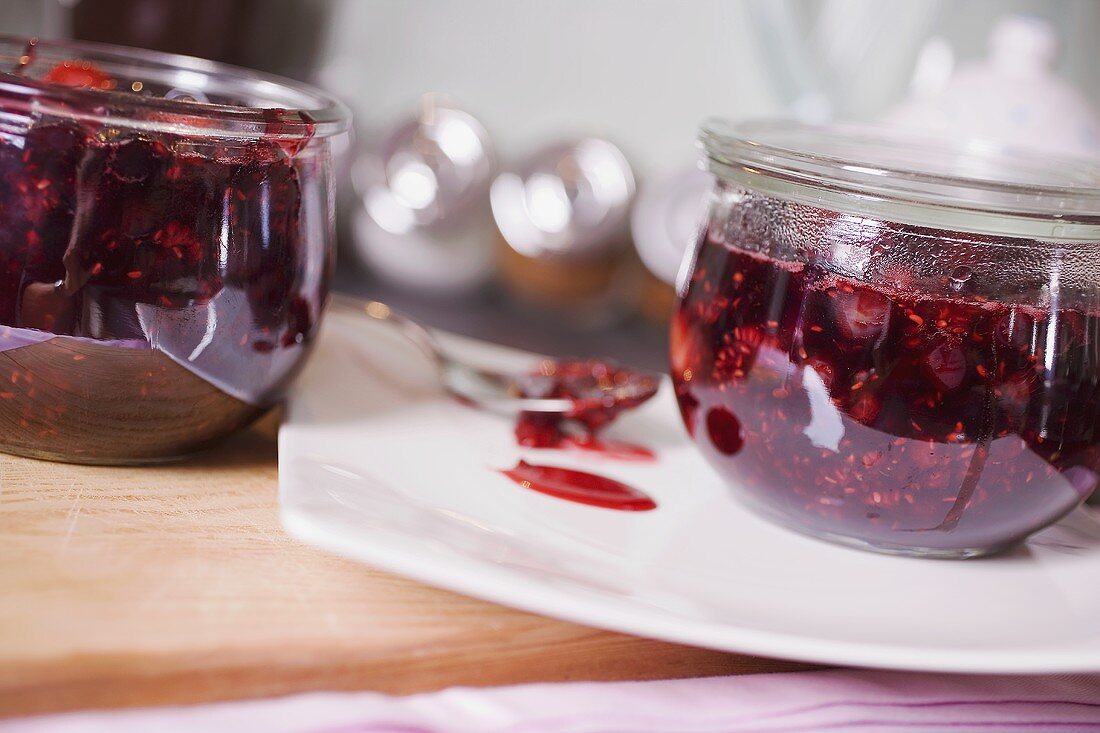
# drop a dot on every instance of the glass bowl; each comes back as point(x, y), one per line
point(894, 343)
point(166, 248)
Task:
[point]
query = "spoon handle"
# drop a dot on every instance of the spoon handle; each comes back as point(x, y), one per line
point(483, 388)
point(420, 336)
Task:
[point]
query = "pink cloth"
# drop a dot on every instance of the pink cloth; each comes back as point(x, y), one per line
point(832, 700)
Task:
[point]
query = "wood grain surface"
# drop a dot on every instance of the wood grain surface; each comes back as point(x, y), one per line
point(172, 584)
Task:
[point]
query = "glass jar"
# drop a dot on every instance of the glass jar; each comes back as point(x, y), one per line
point(892, 343)
point(166, 248)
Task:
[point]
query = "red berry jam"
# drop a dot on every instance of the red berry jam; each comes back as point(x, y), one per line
point(598, 390)
point(581, 487)
point(157, 288)
point(930, 420)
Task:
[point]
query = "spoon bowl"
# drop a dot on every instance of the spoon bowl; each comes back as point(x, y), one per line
point(594, 387)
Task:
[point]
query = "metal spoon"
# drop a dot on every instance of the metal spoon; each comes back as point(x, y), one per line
point(492, 390)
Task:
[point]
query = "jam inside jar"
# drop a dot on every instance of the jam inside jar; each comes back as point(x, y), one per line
point(166, 248)
point(875, 349)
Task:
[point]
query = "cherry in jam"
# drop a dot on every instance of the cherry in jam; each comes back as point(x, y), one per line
point(885, 414)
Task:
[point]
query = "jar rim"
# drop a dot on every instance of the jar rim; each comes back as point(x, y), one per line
point(868, 163)
point(303, 110)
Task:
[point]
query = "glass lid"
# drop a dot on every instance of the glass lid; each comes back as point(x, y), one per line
point(141, 89)
point(972, 185)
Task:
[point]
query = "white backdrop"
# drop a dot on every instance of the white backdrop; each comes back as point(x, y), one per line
point(642, 72)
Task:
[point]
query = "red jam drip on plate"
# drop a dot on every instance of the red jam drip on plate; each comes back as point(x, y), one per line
point(580, 487)
point(600, 391)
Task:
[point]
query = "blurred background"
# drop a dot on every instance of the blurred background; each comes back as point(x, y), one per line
point(525, 171)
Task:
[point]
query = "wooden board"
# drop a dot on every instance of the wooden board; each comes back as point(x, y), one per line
point(170, 584)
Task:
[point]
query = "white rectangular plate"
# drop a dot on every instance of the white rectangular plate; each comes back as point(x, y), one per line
point(377, 464)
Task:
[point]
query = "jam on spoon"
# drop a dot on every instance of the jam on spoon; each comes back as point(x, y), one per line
point(589, 392)
point(558, 404)
point(599, 390)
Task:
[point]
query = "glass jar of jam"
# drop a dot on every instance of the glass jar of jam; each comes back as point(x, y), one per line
point(165, 251)
point(892, 343)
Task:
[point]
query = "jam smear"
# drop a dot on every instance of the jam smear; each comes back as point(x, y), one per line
point(902, 418)
point(581, 487)
point(599, 390)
